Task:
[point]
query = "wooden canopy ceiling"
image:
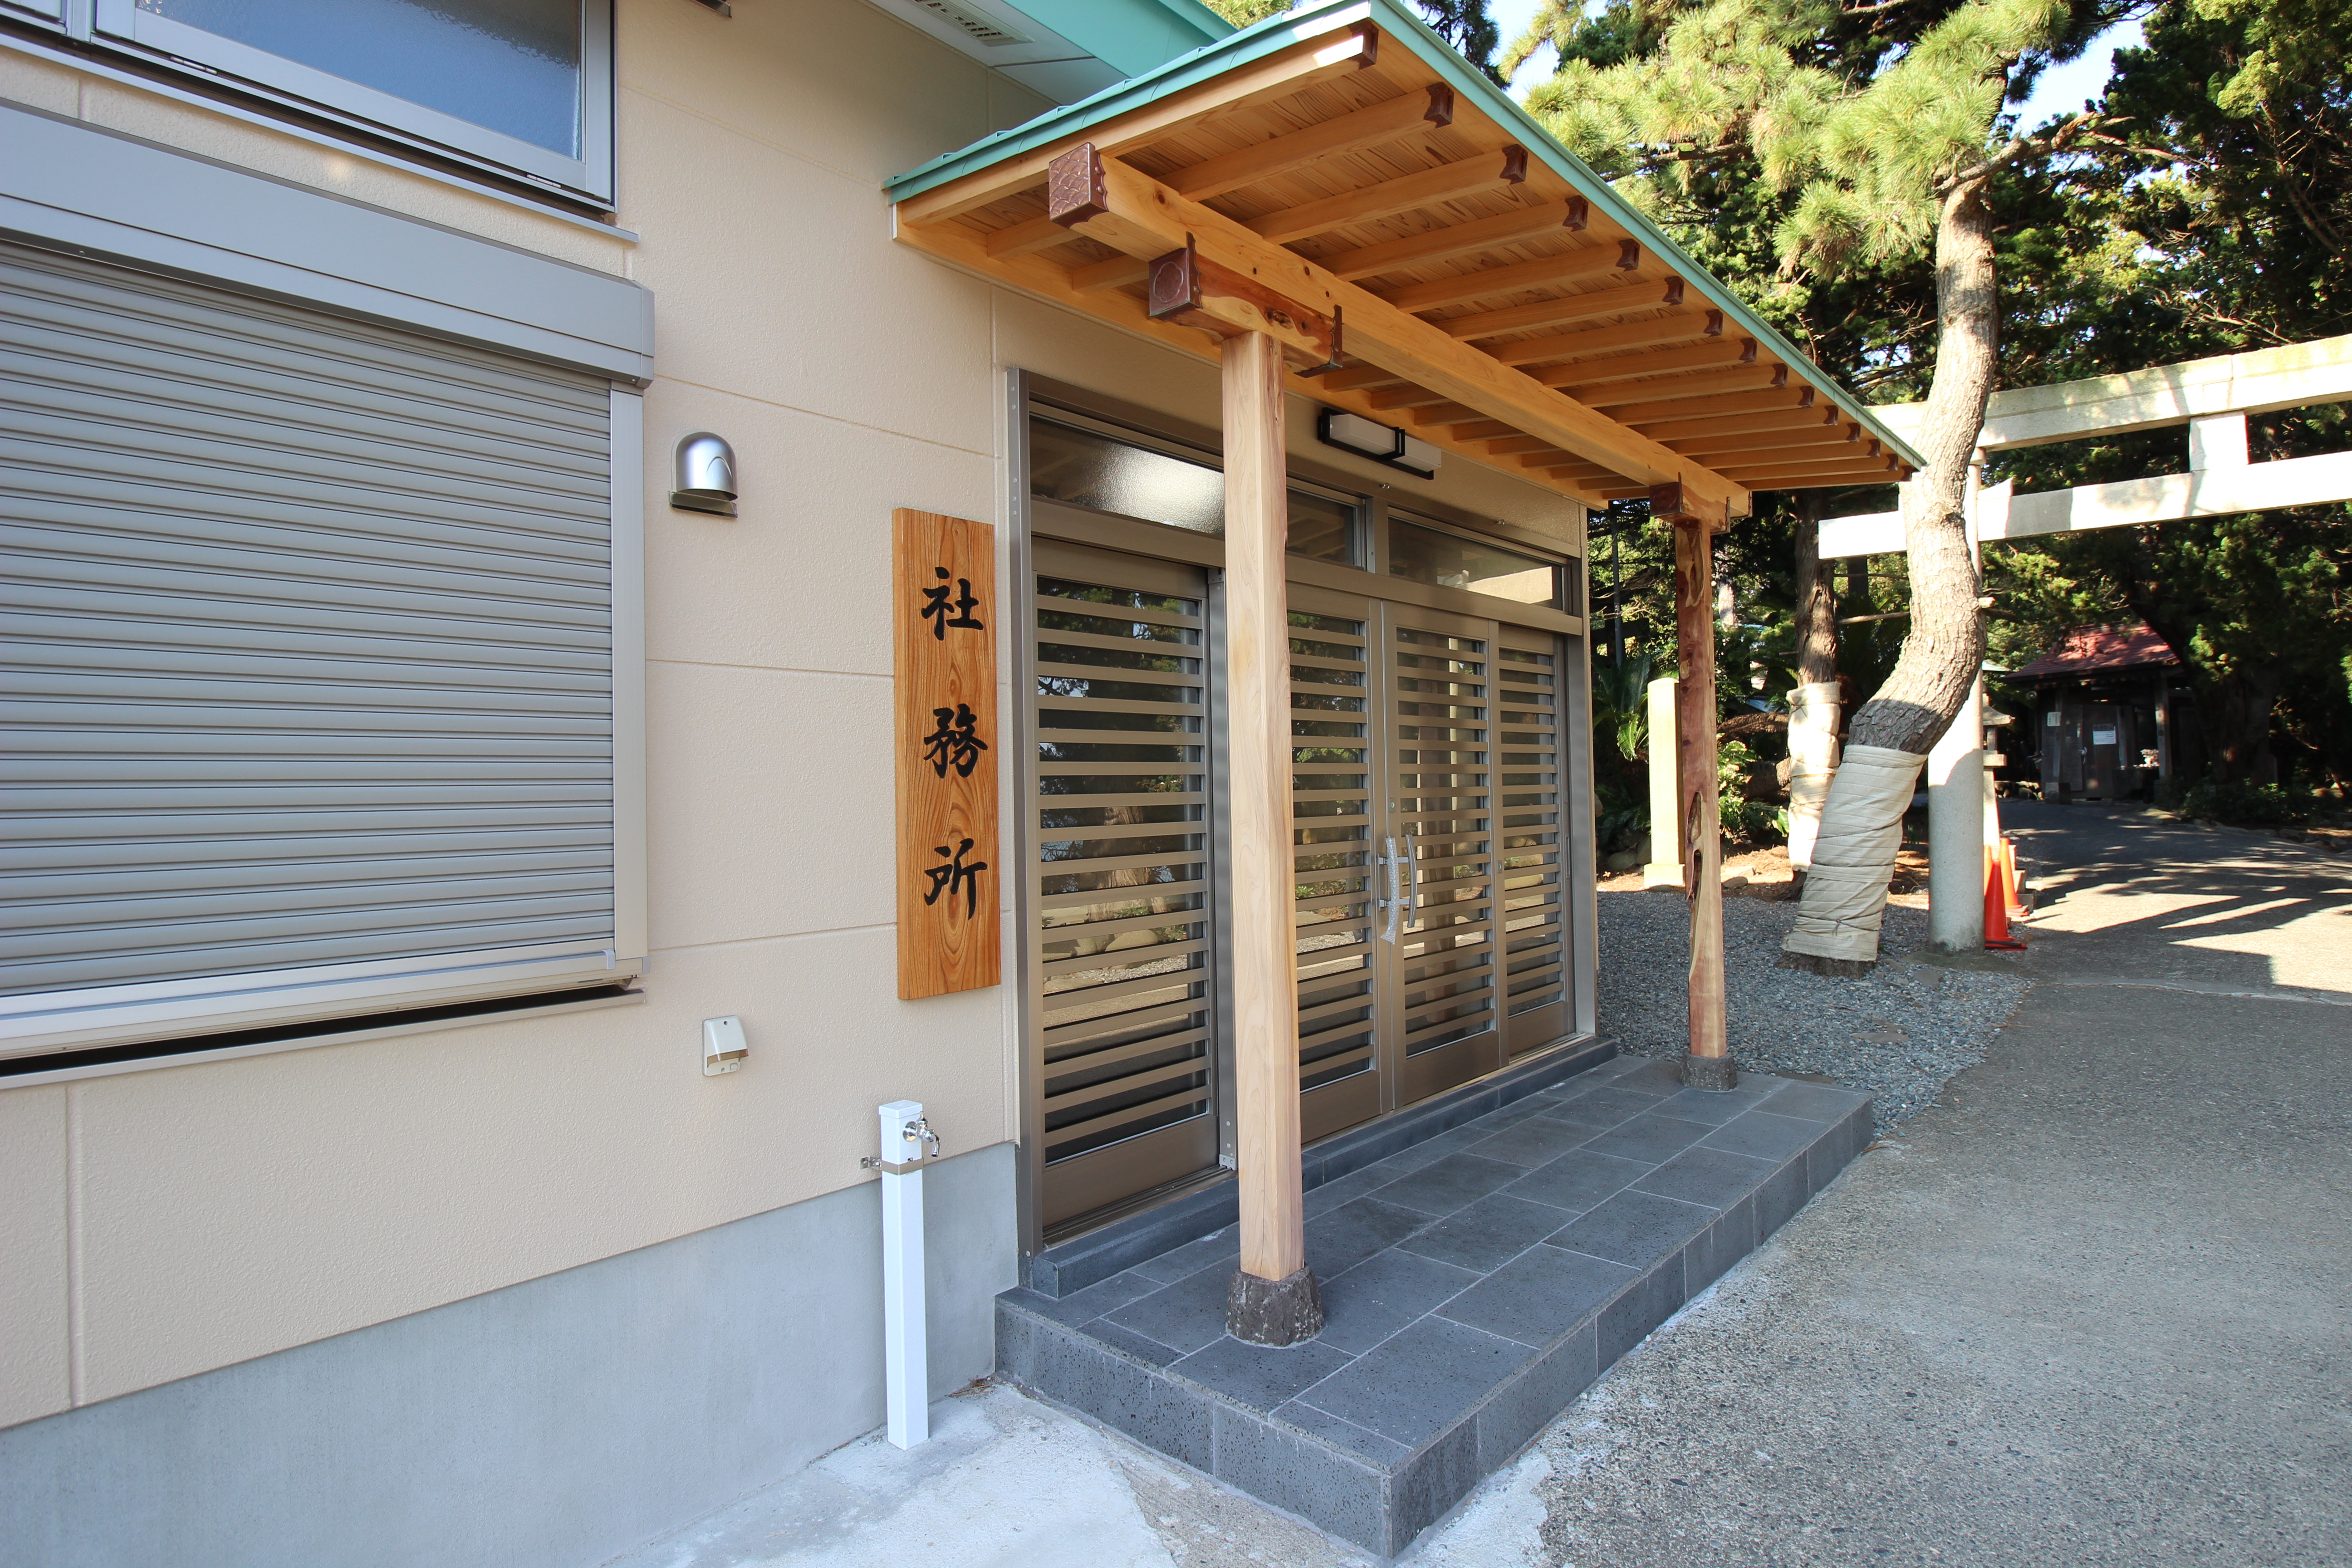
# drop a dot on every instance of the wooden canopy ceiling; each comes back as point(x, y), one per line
point(1379, 212)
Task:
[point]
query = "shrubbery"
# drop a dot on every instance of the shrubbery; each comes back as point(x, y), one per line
point(2247, 804)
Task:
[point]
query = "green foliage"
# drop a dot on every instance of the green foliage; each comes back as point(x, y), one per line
point(1621, 705)
point(1243, 13)
point(2203, 206)
point(2247, 804)
point(1745, 821)
point(2240, 243)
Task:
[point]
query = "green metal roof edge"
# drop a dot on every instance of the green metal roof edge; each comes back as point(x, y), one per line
point(1131, 36)
point(1279, 32)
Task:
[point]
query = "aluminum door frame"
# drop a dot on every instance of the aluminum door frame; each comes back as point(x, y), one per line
point(1190, 1149)
point(1416, 1077)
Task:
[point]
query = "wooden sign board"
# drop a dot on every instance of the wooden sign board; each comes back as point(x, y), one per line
point(943, 621)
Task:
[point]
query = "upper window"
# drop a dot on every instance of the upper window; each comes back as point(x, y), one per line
point(1086, 468)
point(524, 86)
point(1423, 555)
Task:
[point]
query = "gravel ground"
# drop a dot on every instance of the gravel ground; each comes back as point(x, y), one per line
point(1900, 1034)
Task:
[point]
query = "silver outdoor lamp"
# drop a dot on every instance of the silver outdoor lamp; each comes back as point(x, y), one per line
point(706, 475)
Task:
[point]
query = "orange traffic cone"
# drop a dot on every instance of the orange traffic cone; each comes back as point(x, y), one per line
point(1997, 901)
point(2016, 890)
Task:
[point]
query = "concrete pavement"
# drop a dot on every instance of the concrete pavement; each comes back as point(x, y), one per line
point(2094, 1306)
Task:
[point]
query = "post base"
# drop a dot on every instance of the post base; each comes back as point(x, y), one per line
point(1662, 874)
point(1710, 1072)
point(1274, 1311)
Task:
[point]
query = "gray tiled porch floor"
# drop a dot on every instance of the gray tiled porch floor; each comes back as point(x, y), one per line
point(1473, 1284)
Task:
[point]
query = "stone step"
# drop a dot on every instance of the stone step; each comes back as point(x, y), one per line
point(1474, 1283)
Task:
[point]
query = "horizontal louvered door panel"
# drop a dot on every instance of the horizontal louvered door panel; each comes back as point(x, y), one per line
point(307, 639)
point(1331, 720)
point(1439, 685)
point(1529, 763)
point(1122, 965)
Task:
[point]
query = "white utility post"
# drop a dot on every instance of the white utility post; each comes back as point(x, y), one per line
point(1664, 869)
point(907, 1140)
point(1956, 800)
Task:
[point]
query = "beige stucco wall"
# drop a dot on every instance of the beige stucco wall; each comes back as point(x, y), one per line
point(160, 1223)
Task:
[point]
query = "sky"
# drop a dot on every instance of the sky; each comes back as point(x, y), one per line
point(2061, 91)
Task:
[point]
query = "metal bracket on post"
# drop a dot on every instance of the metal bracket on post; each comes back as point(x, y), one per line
point(907, 1142)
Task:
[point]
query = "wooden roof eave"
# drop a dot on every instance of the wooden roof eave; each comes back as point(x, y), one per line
point(1238, 116)
point(1294, 301)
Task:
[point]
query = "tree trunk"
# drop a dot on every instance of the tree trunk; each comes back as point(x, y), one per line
point(1814, 705)
point(1837, 924)
point(1817, 634)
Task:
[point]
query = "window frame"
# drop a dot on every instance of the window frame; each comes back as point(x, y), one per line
point(89, 192)
point(192, 51)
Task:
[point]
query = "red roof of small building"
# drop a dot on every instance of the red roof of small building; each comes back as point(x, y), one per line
point(2090, 648)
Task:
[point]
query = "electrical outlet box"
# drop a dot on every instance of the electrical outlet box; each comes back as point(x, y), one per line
point(723, 1049)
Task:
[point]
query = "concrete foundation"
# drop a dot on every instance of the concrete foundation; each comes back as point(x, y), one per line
point(550, 1424)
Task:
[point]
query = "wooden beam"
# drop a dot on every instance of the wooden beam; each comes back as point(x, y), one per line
point(1512, 446)
point(1714, 404)
point(1577, 380)
point(1858, 467)
point(1331, 53)
point(1700, 824)
point(1112, 272)
point(1408, 398)
point(1567, 308)
point(1042, 277)
point(1455, 239)
point(1200, 292)
point(1139, 213)
point(1429, 109)
point(1746, 378)
point(1730, 444)
point(1262, 978)
point(1480, 431)
point(1357, 376)
point(1675, 327)
point(1793, 418)
point(1547, 272)
point(1407, 193)
point(1021, 238)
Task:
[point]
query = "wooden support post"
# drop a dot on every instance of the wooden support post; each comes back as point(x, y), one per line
point(1709, 1063)
point(1274, 1300)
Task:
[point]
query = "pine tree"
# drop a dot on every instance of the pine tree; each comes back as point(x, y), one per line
point(1881, 128)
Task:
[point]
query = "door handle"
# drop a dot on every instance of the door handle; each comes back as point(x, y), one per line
point(1389, 863)
point(1411, 897)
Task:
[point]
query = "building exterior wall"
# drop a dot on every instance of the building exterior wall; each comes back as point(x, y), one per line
point(556, 1422)
point(161, 1225)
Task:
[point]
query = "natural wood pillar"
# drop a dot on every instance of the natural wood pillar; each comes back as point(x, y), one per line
point(1273, 1298)
point(1710, 1063)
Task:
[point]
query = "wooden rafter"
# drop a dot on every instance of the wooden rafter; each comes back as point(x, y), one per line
point(1368, 126)
point(1549, 273)
point(1406, 193)
point(1566, 308)
point(1414, 262)
point(1672, 328)
point(1294, 301)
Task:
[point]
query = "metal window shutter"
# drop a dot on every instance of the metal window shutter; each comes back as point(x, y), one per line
point(308, 639)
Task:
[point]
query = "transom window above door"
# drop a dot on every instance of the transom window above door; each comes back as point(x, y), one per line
point(1086, 467)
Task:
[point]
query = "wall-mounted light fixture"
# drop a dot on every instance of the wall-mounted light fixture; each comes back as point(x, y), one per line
point(1369, 438)
point(706, 476)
